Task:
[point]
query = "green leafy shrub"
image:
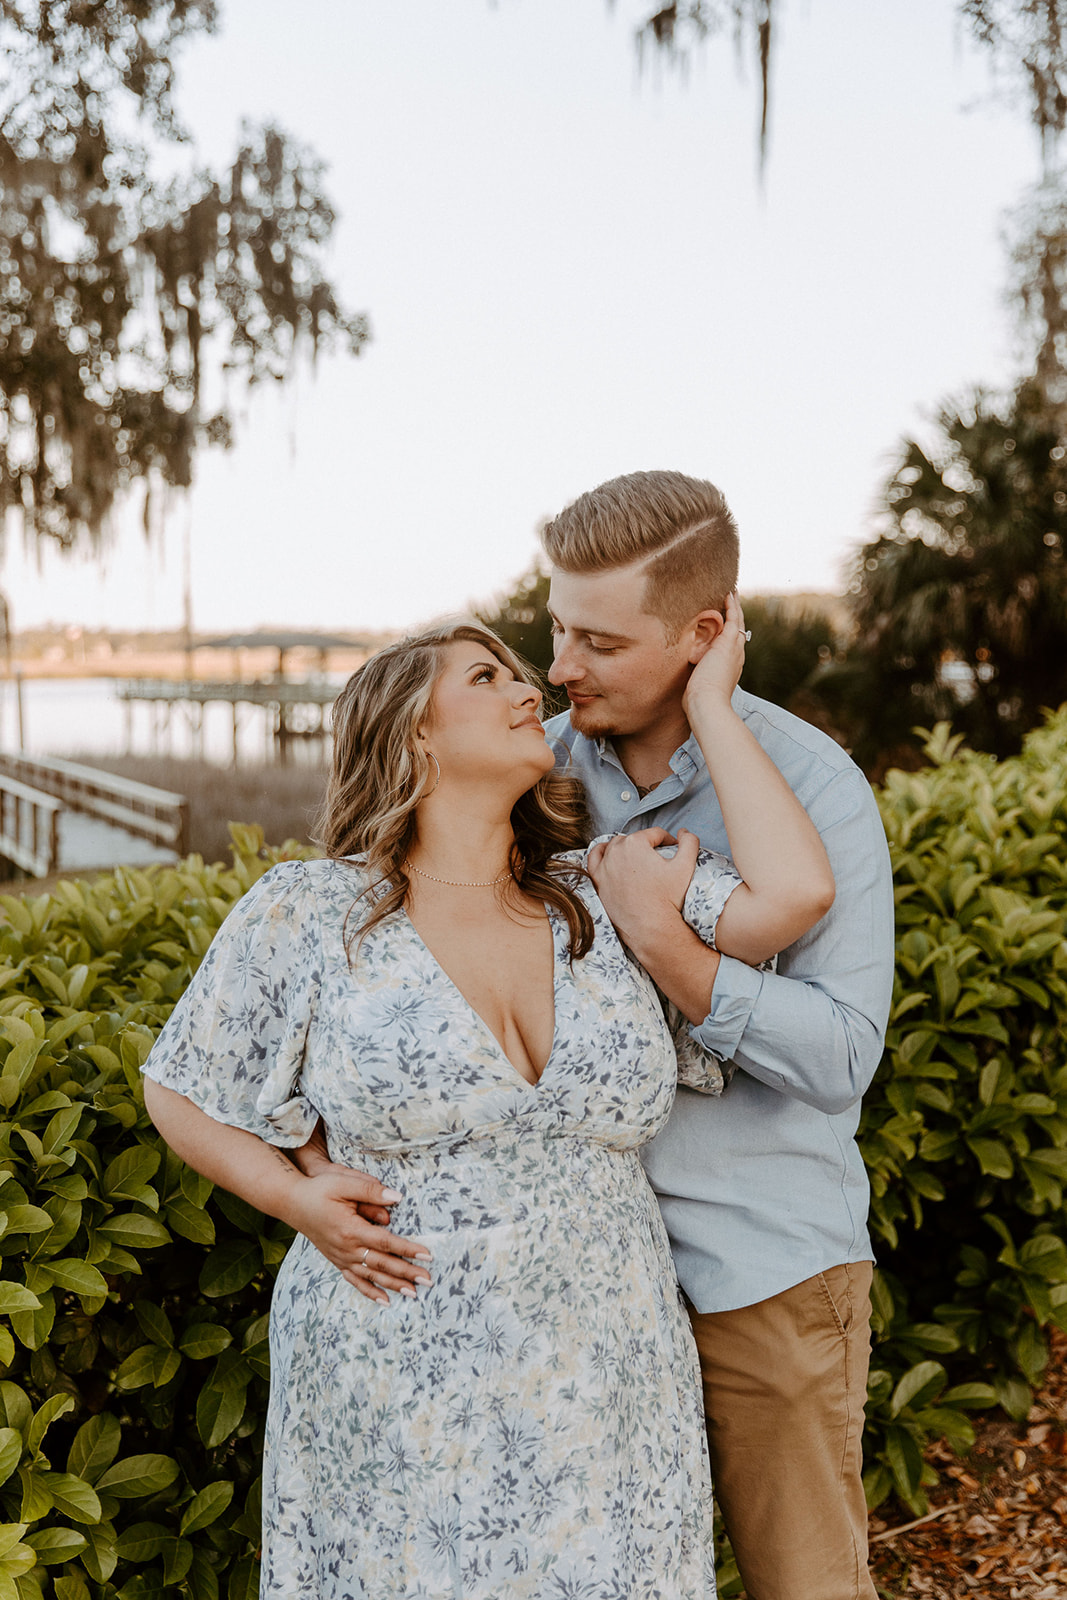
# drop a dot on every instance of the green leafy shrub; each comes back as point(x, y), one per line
point(133, 1297)
point(965, 1130)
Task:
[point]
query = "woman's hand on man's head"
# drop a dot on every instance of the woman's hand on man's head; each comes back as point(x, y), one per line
point(718, 671)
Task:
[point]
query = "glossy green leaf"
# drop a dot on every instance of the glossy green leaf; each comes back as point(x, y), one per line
point(25, 1219)
point(155, 1323)
point(219, 1410)
point(190, 1221)
point(15, 1408)
point(72, 1496)
point(231, 1268)
point(204, 1339)
point(1013, 1394)
point(56, 1544)
point(11, 1534)
point(139, 1368)
point(100, 1557)
point(68, 1588)
point(36, 1502)
point(917, 1385)
point(16, 1297)
point(57, 1405)
point(79, 1277)
point(993, 1157)
point(134, 1477)
point(95, 1446)
point(203, 1580)
point(207, 1506)
point(134, 1167)
point(61, 1129)
point(177, 1559)
point(135, 1231)
point(905, 1461)
point(244, 1580)
point(11, 1447)
point(142, 1542)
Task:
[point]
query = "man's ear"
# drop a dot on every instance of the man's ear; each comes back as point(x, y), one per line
point(703, 631)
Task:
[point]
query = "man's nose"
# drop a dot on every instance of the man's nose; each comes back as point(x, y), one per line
point(564, 668)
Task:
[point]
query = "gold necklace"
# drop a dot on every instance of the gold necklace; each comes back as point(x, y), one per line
point(454, 883)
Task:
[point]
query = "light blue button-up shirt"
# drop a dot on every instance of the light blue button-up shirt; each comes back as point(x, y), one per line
point(766, 1187)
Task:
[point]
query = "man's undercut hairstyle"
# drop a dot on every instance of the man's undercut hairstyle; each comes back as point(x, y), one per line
point(681, 529)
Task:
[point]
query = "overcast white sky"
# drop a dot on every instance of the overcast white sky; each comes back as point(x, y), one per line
point(571, 272)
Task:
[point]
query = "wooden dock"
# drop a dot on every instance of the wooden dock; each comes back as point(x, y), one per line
point(58, 815)
point(296, 710)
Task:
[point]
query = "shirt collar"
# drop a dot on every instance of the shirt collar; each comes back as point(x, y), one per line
point(686, 760)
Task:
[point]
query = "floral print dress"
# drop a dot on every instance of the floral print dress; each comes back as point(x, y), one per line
point(529, 1427)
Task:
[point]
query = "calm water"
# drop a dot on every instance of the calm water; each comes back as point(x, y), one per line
point(68, 716)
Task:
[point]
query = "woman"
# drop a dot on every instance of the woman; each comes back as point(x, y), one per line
point(446, 992)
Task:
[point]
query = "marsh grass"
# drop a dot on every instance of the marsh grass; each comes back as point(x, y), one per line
point(283, 800)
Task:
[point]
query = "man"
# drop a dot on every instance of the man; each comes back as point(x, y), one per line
point(763, 1191)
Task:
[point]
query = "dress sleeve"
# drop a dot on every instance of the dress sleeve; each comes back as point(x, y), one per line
point(713, 882)
point(234, 1043)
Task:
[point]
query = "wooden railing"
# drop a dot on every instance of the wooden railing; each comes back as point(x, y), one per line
point(29, 827)
point(147, 813)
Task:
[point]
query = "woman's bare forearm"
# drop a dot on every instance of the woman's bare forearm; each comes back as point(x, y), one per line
point(771, 835)
point(328, 1208)
point(238, 1161)
point(788, 881)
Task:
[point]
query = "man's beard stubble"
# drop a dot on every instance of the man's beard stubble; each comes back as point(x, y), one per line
point(592, 722)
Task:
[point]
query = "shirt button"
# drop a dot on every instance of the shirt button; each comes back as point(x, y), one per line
point(626, 795)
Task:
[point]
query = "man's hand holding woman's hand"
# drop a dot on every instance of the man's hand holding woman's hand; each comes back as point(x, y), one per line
point(345, 1214)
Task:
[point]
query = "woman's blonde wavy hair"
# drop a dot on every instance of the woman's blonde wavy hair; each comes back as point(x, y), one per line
point(380, 773)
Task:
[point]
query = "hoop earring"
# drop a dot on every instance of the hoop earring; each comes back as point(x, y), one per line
point(437, 764)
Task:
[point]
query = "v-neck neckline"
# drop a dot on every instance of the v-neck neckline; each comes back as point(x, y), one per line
point(497, 1047)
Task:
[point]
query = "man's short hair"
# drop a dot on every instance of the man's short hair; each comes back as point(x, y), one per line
point(680, 527)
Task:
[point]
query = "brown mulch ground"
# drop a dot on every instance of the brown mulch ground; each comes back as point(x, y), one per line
point(1002, 1531)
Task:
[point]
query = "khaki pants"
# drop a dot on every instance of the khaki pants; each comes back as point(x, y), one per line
point(784, 1387)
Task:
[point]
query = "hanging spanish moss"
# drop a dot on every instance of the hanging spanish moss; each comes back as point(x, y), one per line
point(121, 296)
point(1028, 39)
point(1026, 42)
point(674, 29)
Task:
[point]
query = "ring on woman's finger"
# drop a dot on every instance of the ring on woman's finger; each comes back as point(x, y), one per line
point(366, 1253)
